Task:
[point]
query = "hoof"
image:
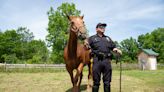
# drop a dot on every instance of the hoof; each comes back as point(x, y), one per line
point(75, 89)
point(89, 88)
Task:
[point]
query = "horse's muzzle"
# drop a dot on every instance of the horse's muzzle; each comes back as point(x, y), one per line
point(82, 36)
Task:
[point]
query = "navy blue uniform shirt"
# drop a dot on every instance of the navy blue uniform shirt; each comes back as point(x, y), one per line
point(101, 44)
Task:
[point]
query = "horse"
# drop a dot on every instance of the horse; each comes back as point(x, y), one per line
point(76, 56)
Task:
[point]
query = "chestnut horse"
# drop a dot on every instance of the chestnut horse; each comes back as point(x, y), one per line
point(75, 54)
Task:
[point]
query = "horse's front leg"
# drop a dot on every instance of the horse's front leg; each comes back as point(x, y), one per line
point(79, 74)
point(70, 71)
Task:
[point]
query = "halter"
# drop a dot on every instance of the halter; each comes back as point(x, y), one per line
point(77, 30)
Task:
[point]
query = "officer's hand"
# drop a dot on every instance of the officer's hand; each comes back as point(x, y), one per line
point(86, 44)
point(117, 51)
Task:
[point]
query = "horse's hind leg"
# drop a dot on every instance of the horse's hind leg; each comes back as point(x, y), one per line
point(89, 75)
point(81, 76)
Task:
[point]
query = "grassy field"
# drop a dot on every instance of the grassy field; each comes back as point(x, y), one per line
point(59, 81)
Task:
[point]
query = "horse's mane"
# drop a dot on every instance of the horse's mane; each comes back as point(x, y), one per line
point(72, 45)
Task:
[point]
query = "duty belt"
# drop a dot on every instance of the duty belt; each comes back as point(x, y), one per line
point(102, 55)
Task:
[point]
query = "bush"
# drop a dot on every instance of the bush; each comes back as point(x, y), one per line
point(10, 58)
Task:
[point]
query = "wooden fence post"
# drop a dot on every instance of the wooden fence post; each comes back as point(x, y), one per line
point(5, 67)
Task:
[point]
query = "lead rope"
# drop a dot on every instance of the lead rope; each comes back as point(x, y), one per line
point(120, 73)
point(118, 57)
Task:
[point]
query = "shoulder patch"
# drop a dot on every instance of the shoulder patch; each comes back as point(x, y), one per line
point(108, 39)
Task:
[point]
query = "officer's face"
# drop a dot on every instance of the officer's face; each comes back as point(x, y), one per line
point(101, 29)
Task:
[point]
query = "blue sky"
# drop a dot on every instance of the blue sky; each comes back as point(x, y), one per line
point(125, 18)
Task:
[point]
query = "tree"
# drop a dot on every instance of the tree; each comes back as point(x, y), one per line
point(8, 41)
point(57, 29)
point(11, 58)
point(154, 41)
point(22, 47)
point(130, 49)
point(38, 52)
point(19, 46)
point(25, 34)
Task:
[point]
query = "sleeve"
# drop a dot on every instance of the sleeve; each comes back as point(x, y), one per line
point(112, 44)
point(91, 43)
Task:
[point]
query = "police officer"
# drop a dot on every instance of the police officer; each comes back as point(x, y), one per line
point(101, 47)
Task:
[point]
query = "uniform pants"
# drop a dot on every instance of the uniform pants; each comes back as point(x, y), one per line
point(102, 67)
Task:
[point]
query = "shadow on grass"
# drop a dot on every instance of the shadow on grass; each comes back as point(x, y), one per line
point(82, 88)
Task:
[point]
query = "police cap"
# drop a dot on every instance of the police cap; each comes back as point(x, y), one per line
point(101, 24)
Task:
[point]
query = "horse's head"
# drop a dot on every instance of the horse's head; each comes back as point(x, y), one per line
point(77, 26)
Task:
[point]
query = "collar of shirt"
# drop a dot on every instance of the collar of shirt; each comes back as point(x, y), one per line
point(99, 36)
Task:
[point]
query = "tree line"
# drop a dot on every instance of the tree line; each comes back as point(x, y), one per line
point(19, 46)
point(153, 40)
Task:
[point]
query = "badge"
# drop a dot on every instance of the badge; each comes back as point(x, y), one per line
point(96, 39)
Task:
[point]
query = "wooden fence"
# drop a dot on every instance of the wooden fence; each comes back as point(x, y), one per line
point(4, 65)
point(125, 66)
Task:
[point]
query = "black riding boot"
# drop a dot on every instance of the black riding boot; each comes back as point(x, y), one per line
point(106, 88)
point(95, 89)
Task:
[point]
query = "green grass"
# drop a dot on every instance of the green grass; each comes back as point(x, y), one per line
point(59, 81)
point(155, 79)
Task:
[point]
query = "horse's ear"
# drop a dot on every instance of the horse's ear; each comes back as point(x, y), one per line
point(68, 17)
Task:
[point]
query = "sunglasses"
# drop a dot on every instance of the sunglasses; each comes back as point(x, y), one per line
point(101, 27)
